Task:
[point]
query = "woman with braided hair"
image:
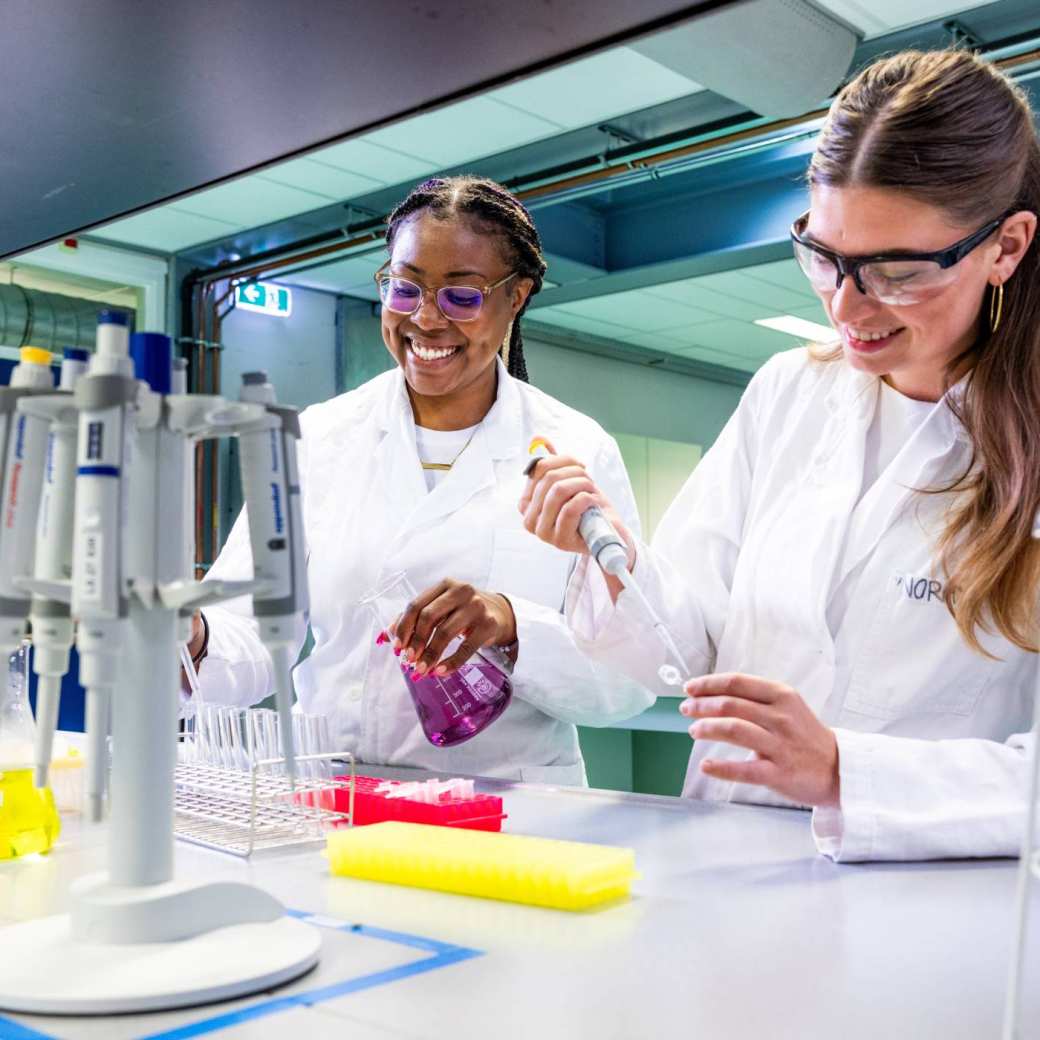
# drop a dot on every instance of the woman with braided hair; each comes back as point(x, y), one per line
point(419, 470)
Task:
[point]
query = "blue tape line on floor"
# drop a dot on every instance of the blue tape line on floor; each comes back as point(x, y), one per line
point(317, 996)
point(444, 954)
point(14, 1031)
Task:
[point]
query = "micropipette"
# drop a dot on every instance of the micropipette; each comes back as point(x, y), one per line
point(271, 488)
point(105, 397)
point(608, 549)
point(52, 626)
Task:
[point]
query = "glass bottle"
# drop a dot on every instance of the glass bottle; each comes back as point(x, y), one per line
point(28, 817)
point(452, 708)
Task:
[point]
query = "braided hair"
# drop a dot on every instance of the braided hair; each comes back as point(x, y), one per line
point(502, 213)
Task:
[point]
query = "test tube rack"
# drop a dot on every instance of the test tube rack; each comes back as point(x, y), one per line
point(242, 811)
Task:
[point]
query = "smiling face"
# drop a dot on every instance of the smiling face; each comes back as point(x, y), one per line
point(449, 366)
point(911, 345)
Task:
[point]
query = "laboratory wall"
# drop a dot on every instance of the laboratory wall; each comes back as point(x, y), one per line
point(300, 355)
point(634, 399)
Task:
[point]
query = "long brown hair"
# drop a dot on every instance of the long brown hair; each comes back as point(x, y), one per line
point(950, 130)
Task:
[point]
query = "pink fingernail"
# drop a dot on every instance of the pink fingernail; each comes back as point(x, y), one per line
point(382, 638)
point(397, 651)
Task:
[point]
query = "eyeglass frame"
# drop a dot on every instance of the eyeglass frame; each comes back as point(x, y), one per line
point(849, 266)
point(484, 291)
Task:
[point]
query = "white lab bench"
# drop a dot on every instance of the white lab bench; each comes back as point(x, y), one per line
point(737, 929)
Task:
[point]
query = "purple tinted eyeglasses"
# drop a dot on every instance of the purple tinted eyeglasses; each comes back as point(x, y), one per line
point(455, 302)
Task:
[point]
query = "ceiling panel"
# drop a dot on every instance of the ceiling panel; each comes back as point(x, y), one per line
point(784, 273)
point(321, 179)
point(578, 322)
point(352, 276)
point(712, 305)
point(743, 286)
point(637, 309)
point(464, 131)
point(657, 341)
point(876, 16)
point(736, 337)
point(718, 357)
point(166, 230)
point(814, 312)
point(250, 201)
point(725, 334)
point(386, 165)
point(605, 85)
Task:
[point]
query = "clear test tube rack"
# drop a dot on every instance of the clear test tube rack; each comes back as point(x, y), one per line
point(242, 811)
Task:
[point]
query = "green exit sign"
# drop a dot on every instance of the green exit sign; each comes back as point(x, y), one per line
point(264, 298)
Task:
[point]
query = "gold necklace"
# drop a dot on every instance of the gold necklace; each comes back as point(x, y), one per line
point(443, 467)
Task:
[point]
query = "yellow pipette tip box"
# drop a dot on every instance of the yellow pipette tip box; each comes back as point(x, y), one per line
point(565, 875)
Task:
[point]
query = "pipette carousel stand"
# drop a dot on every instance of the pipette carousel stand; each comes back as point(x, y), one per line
point(135, 939)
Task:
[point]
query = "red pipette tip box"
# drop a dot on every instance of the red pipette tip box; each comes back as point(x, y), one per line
point(481, 812)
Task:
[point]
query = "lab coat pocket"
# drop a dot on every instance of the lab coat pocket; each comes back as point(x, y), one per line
point(522, 565)
point(914, 661)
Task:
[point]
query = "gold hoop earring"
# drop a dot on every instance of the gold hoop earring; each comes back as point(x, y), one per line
point(996, 306)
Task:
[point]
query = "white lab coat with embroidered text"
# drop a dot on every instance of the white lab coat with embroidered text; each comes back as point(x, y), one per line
point(773, 524)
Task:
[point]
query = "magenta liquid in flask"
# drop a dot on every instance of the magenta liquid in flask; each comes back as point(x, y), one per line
point(455, 707)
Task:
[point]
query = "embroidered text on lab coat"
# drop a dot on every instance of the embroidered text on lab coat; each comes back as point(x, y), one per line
point(917, 588)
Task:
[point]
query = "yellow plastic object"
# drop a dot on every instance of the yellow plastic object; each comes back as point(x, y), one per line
point(35, 355)
point(567, 875)
point(28, 819)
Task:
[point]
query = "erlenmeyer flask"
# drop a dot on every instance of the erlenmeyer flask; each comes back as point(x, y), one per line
point(451, 708)
point(28, 818)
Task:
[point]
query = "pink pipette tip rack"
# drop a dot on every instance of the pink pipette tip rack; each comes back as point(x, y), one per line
point(443, 803)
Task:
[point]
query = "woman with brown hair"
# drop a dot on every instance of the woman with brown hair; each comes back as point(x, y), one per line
point(852, 566)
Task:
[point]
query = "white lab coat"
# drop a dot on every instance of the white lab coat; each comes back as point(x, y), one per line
point(766, 532)
point(367, 514)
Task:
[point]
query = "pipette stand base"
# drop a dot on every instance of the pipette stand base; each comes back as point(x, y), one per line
point(45, 970)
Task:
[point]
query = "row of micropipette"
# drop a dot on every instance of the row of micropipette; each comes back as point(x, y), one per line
point(94, 477)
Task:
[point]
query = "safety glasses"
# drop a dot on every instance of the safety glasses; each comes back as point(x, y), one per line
point(898, 278)
point(455, 302)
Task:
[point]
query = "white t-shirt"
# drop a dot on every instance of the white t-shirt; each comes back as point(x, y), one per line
point(440, 446)
point(896, 419)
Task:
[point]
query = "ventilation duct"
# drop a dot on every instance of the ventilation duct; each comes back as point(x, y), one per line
point(48, 320)
point(778, 57)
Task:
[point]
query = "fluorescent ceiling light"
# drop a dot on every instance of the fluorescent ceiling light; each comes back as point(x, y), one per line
point(799, 327)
